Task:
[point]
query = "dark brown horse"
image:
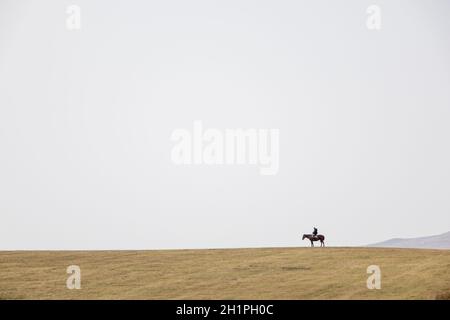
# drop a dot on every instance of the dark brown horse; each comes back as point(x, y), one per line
point(312, 238)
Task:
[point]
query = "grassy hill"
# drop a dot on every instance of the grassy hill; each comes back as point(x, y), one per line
point(268, 273)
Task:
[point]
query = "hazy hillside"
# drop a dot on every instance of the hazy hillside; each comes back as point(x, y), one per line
point(441, 241)
point(269, 273)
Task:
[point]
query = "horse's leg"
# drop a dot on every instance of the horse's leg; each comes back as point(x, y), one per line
point(312, 243)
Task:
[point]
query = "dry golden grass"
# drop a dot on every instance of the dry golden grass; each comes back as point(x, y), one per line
point(269, 273)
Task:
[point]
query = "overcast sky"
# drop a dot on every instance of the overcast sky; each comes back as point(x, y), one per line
point(86, 118)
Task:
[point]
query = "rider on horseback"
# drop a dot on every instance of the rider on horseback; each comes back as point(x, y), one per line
point(315, 232)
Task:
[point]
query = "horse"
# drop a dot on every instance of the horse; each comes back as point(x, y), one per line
point(312, 238)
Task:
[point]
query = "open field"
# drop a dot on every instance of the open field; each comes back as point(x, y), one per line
point(269, 273)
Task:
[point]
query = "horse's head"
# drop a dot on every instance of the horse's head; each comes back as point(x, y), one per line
point(304, 236)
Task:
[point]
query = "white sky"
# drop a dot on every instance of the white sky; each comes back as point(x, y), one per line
point(86, 118)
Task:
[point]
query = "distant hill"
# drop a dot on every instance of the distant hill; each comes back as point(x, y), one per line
point(441, 241)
